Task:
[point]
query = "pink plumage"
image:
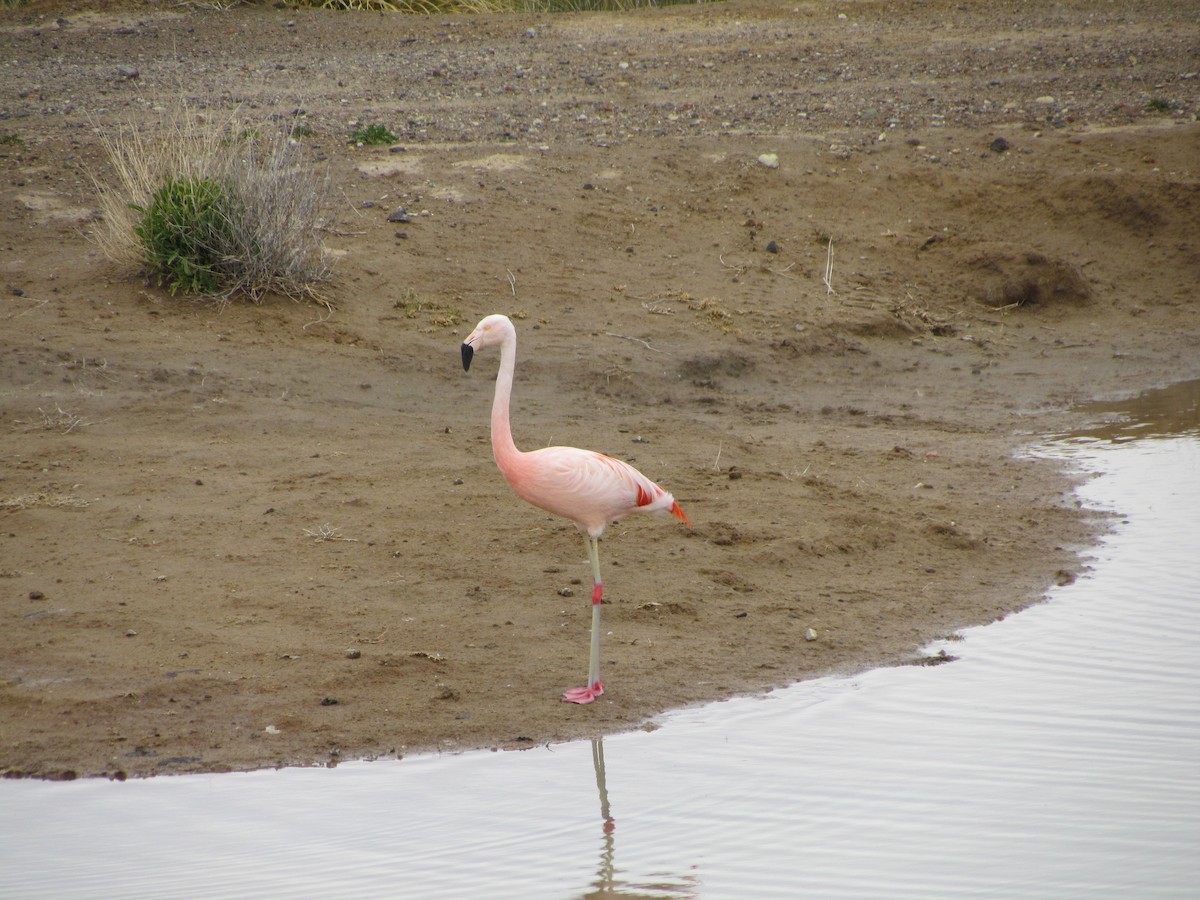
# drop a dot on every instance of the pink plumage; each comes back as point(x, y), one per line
point(588, 488)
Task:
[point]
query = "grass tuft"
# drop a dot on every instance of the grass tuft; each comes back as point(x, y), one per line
point(215, 208)
point(369, 135)
point(183, 232)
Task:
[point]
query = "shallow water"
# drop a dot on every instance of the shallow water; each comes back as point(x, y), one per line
point(1059, 755)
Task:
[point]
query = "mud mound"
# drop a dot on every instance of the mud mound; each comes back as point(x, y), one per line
point(705, 370)
point(1003, 275)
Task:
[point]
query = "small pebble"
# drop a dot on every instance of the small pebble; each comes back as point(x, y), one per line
point(810, 634)
point(353, 653)
point(770, 160)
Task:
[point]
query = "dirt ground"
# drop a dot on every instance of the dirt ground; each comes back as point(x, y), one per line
point(821, 268)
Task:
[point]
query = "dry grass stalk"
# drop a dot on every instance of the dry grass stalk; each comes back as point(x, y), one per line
point(327, 533)
point(61, 420)
point(827, 278)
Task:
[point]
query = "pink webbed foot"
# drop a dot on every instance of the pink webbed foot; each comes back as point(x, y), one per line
point(584, 694)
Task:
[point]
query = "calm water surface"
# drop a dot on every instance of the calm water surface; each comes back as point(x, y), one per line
point(1059, 756)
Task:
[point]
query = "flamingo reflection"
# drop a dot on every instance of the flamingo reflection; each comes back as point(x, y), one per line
point(607, 883)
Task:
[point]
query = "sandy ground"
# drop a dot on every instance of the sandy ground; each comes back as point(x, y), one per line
point(263, 535)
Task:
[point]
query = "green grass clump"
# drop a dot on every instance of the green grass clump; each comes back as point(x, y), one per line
point(11, 140)
point(185, 231)
point(215, 208)
point(368, 135)
point(1159, 104)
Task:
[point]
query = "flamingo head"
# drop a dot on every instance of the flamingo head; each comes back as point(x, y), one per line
point(491, 330)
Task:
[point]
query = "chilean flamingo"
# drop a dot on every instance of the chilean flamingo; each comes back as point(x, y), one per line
point(588, 488)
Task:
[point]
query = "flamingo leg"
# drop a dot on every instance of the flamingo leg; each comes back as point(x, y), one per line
point(595, 687)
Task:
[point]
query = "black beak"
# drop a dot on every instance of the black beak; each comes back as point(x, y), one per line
point(467, 351)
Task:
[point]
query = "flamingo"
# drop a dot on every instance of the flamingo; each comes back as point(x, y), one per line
point(588, 488)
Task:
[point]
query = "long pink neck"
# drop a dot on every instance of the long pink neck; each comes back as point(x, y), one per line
point(503, 448)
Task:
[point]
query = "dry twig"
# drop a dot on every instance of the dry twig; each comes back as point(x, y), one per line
point(626, 337)
point(738, 268)
point(327, 533)
point(62, 420)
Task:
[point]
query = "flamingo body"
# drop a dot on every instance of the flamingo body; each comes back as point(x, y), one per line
point(589, 488)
